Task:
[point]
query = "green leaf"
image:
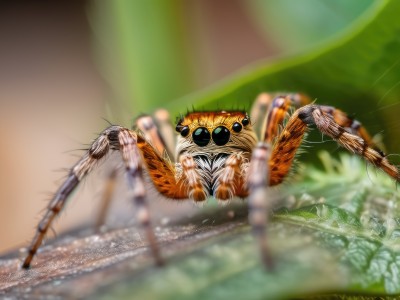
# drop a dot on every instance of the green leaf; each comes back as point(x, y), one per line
point(356, 71)
point(142, 50)
point(360, 218)
point(296, 25)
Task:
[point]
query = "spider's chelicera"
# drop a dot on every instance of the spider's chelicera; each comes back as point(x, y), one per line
point(216, 154)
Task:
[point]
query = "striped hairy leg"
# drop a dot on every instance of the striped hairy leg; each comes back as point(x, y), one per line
point(273, 157)
point(129, 144)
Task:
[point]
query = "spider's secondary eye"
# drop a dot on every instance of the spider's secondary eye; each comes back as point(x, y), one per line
point(237, 127)
point(245, 121)
point(201, 136)
point(221, 135)
point(185, 131)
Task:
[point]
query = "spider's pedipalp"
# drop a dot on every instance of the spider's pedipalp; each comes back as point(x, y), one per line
point(194, 181)
point(230, 180)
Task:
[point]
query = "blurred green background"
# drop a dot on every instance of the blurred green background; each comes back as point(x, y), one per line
point(153, 52)
point(65, 65)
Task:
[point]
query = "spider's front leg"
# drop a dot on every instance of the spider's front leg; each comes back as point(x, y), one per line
point(114, 138)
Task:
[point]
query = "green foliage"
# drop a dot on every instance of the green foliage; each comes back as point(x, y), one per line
point(359, 218)
point(142, 51)
point(300, 24)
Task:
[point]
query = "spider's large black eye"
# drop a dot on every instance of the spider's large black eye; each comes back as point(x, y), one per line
point(221, 135)
point(237, 127)
point(245, 121)
point(201, 136)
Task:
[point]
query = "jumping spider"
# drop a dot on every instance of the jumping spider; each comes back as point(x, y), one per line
point(217, 154)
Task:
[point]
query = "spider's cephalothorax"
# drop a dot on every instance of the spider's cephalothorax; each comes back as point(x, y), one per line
point(216, 154)
point(216, 141)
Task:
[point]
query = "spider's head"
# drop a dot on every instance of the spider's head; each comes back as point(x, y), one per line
point(215, 132)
